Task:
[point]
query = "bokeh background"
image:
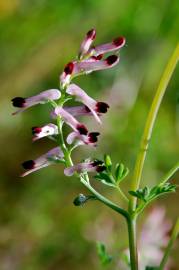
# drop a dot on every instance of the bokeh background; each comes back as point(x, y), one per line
point(40, 228)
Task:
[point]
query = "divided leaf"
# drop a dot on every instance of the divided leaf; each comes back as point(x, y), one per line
point(141, 194)
point(120, 172)
point(146, 194)
point(104, 257)
point(104, 178)
point(108, 176)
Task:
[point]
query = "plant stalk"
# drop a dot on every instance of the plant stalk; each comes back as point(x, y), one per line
point(131, 223)
point(150, 123)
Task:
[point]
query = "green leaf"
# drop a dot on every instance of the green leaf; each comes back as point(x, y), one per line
point(125, 172)
point(120, 172)
point(104, 257)
point(154, 190)
point(108, 162)
point(167, 187)
point(161, 189)
point(146, 192)
point(103, 176)
point(134, 193)
point(142, 194)
point(105, 179)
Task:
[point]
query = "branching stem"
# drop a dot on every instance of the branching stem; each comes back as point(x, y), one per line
point(100, 197)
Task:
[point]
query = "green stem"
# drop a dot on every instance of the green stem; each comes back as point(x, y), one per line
point(102, 198)
point(150, 123)
point(174, 235)
point(173, 170)
point(131, 223)
point(62, 144)
point(122, 194)
point(118, 188)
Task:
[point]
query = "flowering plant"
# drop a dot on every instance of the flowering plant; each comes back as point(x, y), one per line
point(93, 59)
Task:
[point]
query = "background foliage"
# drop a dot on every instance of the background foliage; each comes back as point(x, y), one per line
point(39, 226)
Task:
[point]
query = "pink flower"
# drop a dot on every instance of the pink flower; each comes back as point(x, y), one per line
point(115, 45)
point(154, 237)
point(85, 45)
point(85, 67)
point(71, 121)
point(41, 98)
point(90, 166)
point(89, 139)
point(44, 131)
point(94, 106)
point(43, 161)
point(75, 111)
point(65, 77)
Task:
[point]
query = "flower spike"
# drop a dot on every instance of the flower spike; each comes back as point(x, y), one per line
point(44, 131)
point(92, 166)
point(71, 121)
point(115, 45)
point(85, 45)
point(43, 97)
point(43, 161)
point(94, 106)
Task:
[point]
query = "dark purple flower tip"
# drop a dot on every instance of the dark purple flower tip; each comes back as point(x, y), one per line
point(18, 102)
point(91, 34)
point(102, 107)
point(97, 162)
point(36, 130)
point(69, 68)
point(82, 129)
point(98, 57)
point(119, 41)
point(93, 137)
point(100, 168)
point(111, 59)
point(29, 164)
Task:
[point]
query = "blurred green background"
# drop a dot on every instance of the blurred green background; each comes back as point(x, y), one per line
point(40, 228)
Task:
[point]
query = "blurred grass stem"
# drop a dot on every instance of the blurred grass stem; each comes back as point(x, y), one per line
point(174, 235)
point(172, 171)
point(143, 151)
point(150, 123)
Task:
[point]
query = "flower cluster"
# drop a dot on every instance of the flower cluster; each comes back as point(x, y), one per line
point(89, 59)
